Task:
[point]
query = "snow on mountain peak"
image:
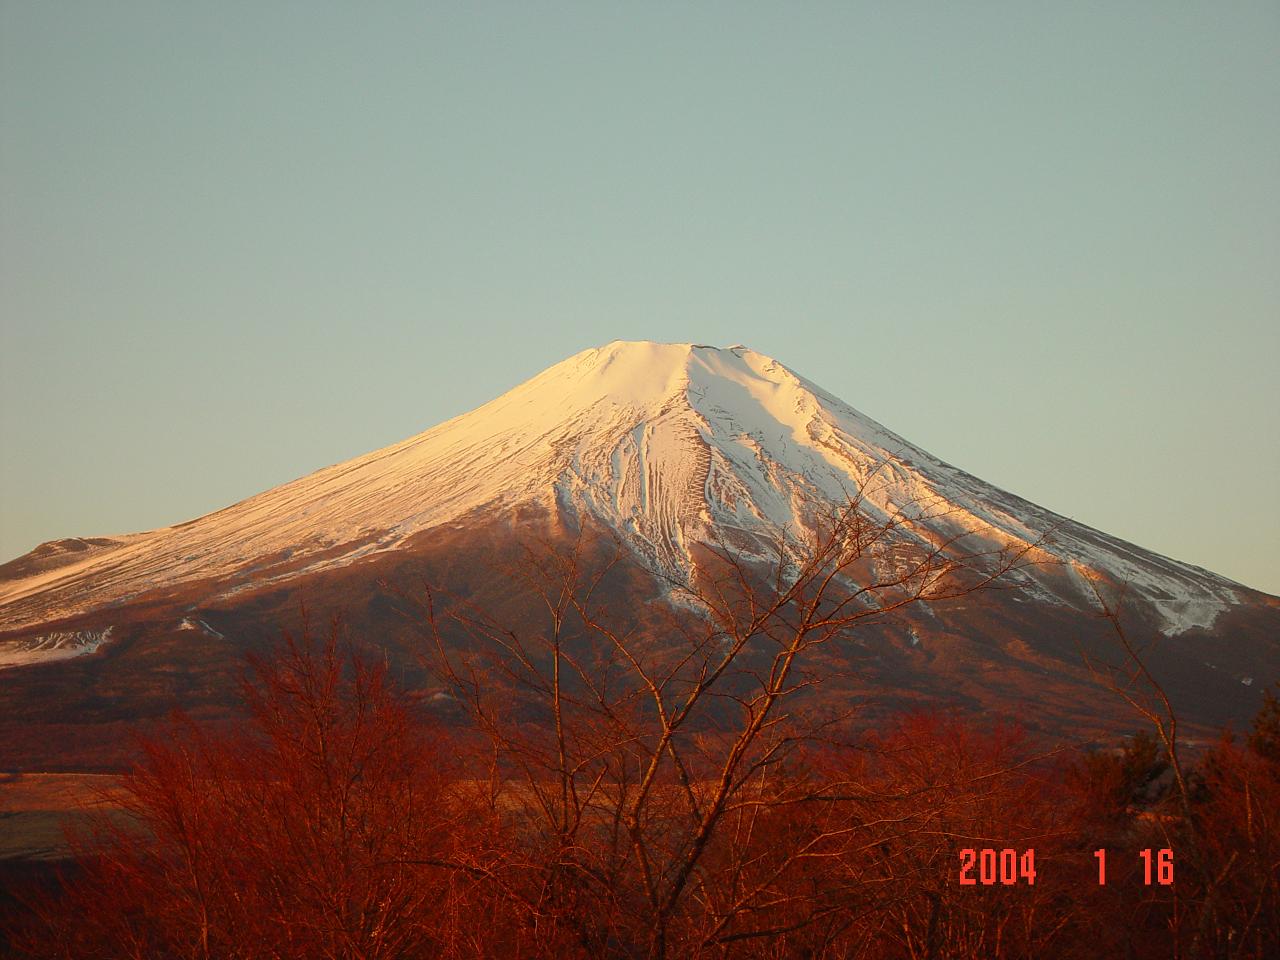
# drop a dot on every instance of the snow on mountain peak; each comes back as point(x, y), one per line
point(667, 443)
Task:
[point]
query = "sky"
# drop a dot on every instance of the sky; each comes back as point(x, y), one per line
point(243, 241)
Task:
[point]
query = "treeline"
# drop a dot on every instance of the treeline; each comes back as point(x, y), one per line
point(335, 824)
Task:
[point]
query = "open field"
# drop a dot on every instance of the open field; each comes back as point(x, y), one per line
point(36, 809)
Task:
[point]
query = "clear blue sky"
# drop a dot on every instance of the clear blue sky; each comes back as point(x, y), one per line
point(239, 242)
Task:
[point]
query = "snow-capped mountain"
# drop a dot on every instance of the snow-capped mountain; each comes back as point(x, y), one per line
point(667, 444)
point(662, 447)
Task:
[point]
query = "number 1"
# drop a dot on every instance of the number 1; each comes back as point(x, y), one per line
point(1102, 867)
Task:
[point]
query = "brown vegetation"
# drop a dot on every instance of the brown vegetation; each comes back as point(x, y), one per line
point(615, 793)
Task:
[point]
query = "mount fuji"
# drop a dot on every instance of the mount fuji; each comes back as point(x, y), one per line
point(666, 447)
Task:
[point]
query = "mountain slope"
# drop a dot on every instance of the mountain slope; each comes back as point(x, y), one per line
point(666, 444)
point(663, 448)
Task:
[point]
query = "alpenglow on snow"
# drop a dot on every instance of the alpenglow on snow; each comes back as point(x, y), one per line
point(666, 444)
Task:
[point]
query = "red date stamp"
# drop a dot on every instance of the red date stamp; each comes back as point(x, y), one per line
point(1008, 866)
point(1005, 866)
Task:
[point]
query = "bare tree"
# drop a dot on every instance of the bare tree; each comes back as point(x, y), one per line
point(1222, 839)
point(297, 833)
point(651, 759)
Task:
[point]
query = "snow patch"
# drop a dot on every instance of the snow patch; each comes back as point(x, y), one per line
point(62, 645)
point(190, 623)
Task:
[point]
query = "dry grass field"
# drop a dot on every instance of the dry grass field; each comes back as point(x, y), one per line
point(36, 809)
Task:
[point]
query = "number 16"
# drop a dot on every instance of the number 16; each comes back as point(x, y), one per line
point(1164, 867)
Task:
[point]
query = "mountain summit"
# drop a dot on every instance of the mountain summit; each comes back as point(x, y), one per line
point(667, 444)
point(663, 448)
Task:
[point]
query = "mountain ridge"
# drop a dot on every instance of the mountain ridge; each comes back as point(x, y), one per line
point(668, 444)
